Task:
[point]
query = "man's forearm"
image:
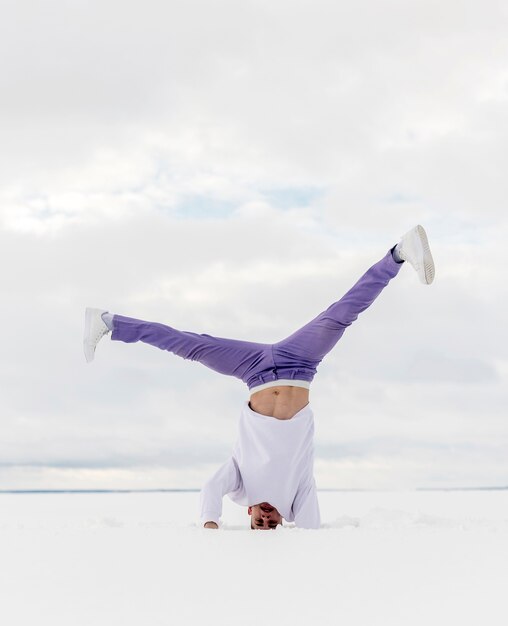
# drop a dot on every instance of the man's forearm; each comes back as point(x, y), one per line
point(225, 480)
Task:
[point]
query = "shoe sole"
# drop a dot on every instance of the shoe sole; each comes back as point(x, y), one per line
point(88, 350)
point(428, 270)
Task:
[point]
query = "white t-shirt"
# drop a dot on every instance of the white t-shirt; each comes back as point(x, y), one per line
point(272, 462)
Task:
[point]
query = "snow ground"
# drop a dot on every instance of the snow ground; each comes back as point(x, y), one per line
point(381, 558)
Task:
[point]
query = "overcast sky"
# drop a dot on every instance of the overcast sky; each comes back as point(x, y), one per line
point(232, 167)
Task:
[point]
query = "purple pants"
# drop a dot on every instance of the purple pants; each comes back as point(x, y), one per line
point(293, 358)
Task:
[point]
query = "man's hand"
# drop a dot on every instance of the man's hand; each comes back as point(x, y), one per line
point(211, 525)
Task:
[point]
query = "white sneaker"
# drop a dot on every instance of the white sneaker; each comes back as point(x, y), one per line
point(414, 248)
point(95, 329)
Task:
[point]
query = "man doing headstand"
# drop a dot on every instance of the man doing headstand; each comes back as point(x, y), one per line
point(271, 468)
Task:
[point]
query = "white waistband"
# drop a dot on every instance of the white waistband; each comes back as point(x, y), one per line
point(282, 382)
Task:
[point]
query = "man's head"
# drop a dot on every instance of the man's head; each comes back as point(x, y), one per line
point(264, 516)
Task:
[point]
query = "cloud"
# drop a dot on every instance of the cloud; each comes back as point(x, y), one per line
point(233, 169)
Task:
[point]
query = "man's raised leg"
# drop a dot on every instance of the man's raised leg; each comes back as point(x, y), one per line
point(311, 343)
point(226, 356)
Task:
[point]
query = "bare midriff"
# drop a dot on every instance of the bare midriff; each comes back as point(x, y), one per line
point(282, 402)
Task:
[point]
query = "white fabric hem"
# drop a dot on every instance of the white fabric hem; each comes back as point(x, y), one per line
point(282, 382)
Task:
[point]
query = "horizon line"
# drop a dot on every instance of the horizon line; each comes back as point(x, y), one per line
point(197, 490)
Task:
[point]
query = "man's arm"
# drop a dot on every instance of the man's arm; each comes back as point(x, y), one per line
point(306, 507)
point(225, 480)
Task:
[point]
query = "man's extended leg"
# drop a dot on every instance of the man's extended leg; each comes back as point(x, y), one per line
point(226, 356)
point(307, 346)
